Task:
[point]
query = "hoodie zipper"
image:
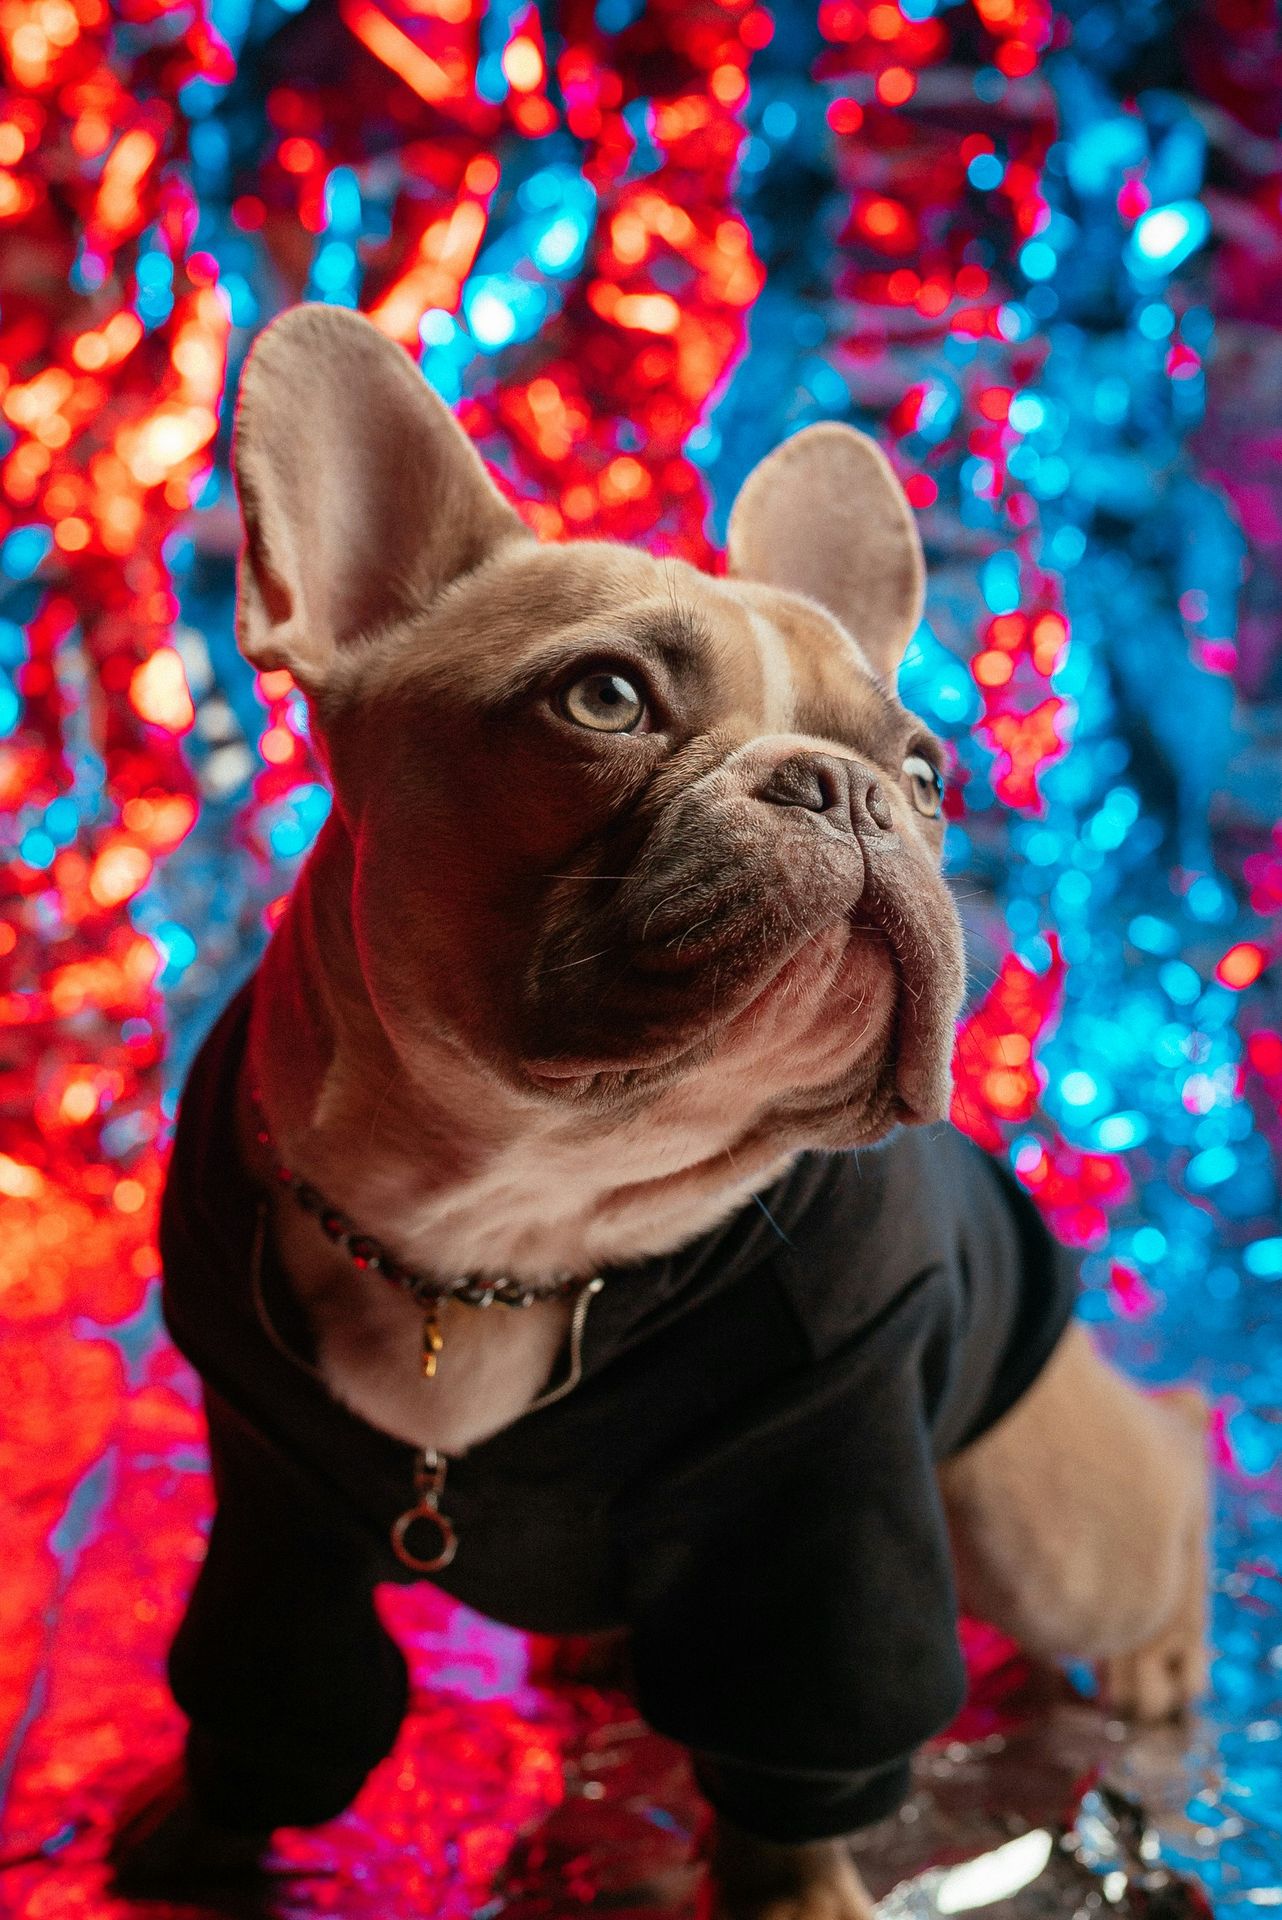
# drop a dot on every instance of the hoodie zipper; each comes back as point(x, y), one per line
point(430, 1465)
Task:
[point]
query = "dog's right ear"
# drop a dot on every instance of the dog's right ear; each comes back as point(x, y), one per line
point(362, 496)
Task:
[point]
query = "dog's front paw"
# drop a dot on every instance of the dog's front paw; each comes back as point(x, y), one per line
point(823, 1901)
point(164, 1845)
point(762, 1880)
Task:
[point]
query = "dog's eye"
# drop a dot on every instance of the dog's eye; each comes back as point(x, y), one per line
point(925, 783)
point(604, 701)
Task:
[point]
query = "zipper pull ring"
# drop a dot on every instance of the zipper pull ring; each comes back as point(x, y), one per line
point(442, 1542)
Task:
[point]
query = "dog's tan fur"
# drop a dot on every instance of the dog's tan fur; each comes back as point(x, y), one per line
point(386, 1018)
point(546, 1001)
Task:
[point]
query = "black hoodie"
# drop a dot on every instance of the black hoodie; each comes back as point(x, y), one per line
point(743, 1473)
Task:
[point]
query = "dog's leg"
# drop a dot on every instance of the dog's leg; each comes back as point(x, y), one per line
point(1080, 1524)
point(584, 1659)
point(762, 1880)
point(293, 1688)
point(1169, 1670)
point(164, 1844)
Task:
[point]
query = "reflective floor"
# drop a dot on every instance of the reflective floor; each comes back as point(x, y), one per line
point(516, 1793)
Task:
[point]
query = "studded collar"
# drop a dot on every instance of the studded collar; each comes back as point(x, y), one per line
point(428, 1290)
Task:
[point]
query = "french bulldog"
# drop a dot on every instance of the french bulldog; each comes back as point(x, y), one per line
point(628, 909)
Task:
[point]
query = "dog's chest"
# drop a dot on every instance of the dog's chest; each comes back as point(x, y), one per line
point(492, 1365)
point(545, 1210)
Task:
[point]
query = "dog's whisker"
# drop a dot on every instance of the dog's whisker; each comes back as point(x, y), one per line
point(676, 894)
point(565, 965)
point(693, 929)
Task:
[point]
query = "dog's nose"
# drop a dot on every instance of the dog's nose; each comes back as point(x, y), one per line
point(846, 793)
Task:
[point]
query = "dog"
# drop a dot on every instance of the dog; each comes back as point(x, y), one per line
point(620, 989)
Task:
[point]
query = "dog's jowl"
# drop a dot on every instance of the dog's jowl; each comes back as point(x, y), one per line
point(566, 1211)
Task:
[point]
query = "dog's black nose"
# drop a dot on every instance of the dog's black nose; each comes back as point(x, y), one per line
point(845, 792)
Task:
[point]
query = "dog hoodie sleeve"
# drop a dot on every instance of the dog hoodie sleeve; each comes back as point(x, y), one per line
point(795, 1617)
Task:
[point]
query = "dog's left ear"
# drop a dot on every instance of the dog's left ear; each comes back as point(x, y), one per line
point(825, 516)
point(361, 494)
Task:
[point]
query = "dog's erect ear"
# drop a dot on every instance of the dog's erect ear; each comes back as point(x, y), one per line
point(825, 516)
point(361, 494)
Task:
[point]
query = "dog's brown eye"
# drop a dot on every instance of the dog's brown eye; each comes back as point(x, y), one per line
point(925, 783)
point(604, 701)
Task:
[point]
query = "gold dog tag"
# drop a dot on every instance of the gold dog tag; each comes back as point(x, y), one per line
point(433, 1341)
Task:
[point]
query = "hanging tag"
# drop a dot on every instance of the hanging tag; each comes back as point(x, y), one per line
point(433, 1341)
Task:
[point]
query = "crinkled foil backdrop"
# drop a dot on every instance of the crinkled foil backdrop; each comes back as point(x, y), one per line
point(1038, 251)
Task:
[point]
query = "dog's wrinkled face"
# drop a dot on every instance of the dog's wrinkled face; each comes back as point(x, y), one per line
point(617, 825)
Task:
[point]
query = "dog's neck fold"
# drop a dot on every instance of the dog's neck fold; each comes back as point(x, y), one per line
point(455, 1171)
